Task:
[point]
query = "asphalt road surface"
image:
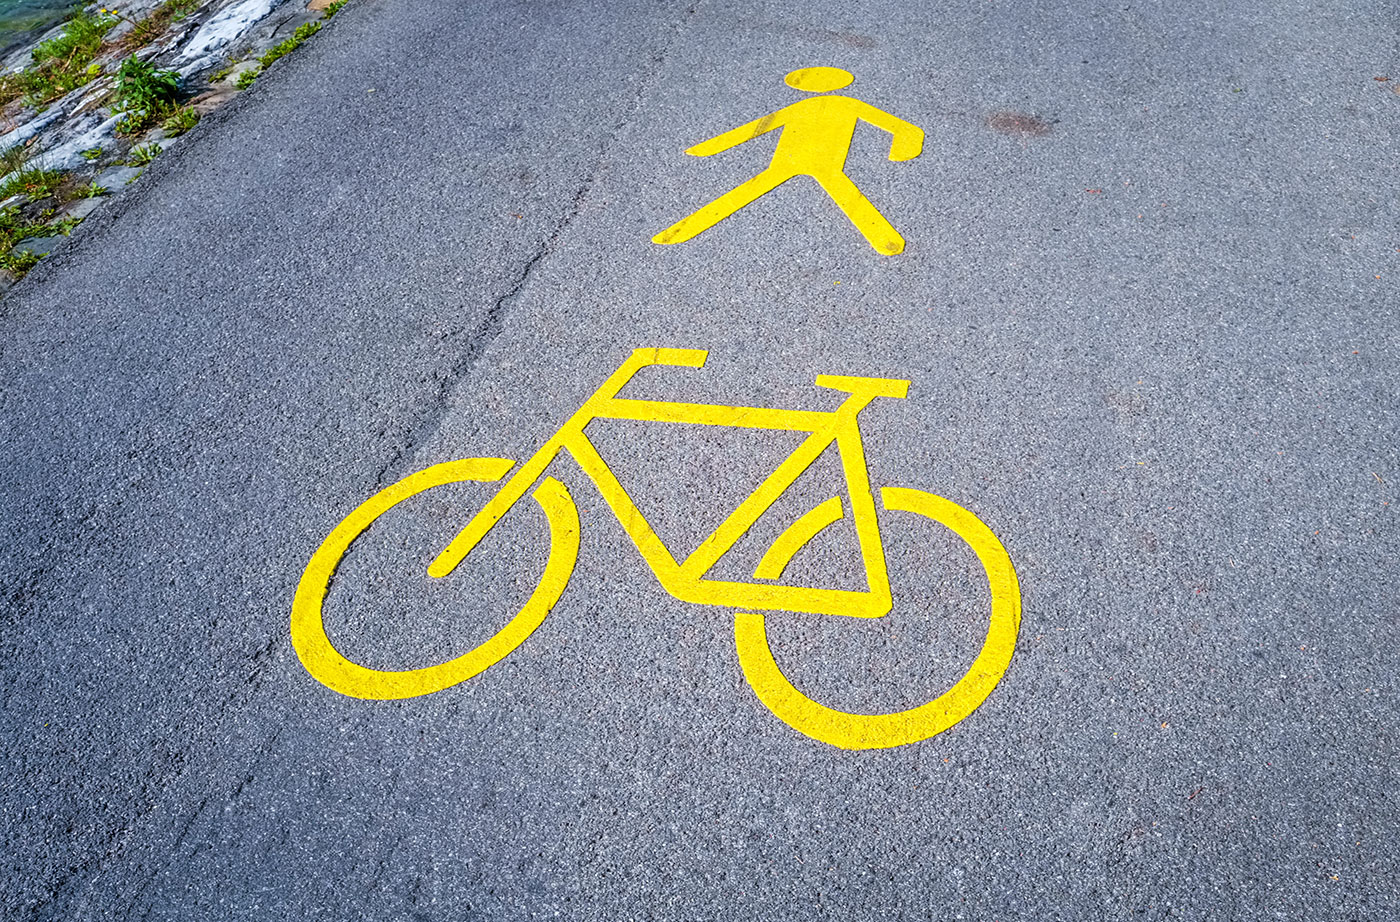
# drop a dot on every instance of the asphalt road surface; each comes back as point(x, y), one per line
point(1147, 308)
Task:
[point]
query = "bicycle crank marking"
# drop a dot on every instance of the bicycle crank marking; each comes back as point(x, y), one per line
point(688, 579)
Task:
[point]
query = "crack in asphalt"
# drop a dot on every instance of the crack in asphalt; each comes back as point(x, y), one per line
point(429, 421)
point(75, 886)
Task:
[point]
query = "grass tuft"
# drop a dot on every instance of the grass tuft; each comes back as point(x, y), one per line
point(141, 87)
point(141, 156)
point(81, 40)
point(181, 121)
point(290, 44)
point(32, 181)
point(20, 263)
point(13, 158)
point(14, 229)
point(61, 64)
point(146, 30)
point(145, 94)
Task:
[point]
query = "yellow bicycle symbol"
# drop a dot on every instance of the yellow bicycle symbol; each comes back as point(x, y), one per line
point(686, 580)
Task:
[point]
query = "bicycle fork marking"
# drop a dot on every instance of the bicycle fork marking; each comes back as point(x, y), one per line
point(686, 580)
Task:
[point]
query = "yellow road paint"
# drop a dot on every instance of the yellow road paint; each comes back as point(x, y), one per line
point(686, 580)
point(323, 661)
point(815, 141)
point(796, 537)
point(883, 731)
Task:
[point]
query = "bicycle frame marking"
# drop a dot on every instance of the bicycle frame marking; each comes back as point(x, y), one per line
point(686, 580)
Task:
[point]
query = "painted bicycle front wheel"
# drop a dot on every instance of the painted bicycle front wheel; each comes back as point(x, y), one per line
point(881, 731)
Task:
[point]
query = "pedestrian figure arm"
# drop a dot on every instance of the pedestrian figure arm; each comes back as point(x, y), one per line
point(736, 136)
point(908, 140)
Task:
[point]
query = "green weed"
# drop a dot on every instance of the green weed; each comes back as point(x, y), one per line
point(93, 190)
point(19, 263)
point(13, 229)
point(290, 44)
point(181, 121)
point(24, 229)
point(142, 88)
point(141, 156)
point(150, 28)
point(145, 94)
point(333, 9)
point(179, 9)
point(137, 122)
point(13, 158)
point(32, 181)
point(246, 78)
point(92, 153)
point(81, 40)
point(61, 64)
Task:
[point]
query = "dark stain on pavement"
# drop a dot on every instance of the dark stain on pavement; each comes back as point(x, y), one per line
point(1019, 124)
point(1128, 404)
point(816, 34)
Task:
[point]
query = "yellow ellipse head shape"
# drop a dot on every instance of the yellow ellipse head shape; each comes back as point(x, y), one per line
point(819, 79)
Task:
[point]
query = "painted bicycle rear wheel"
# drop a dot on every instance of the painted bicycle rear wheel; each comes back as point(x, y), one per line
point(329, 667)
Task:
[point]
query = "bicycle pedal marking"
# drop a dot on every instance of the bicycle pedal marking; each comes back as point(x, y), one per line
point(686, 579)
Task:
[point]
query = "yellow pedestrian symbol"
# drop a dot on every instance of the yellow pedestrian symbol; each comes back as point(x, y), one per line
point(817, 133)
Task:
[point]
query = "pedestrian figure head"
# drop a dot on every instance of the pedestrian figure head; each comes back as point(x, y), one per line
point(819, 79)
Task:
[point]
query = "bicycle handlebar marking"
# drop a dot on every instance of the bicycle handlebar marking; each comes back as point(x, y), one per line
point(686, 580)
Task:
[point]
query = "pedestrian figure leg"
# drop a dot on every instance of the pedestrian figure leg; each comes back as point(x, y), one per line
point(867, 219)
point(724, 206)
